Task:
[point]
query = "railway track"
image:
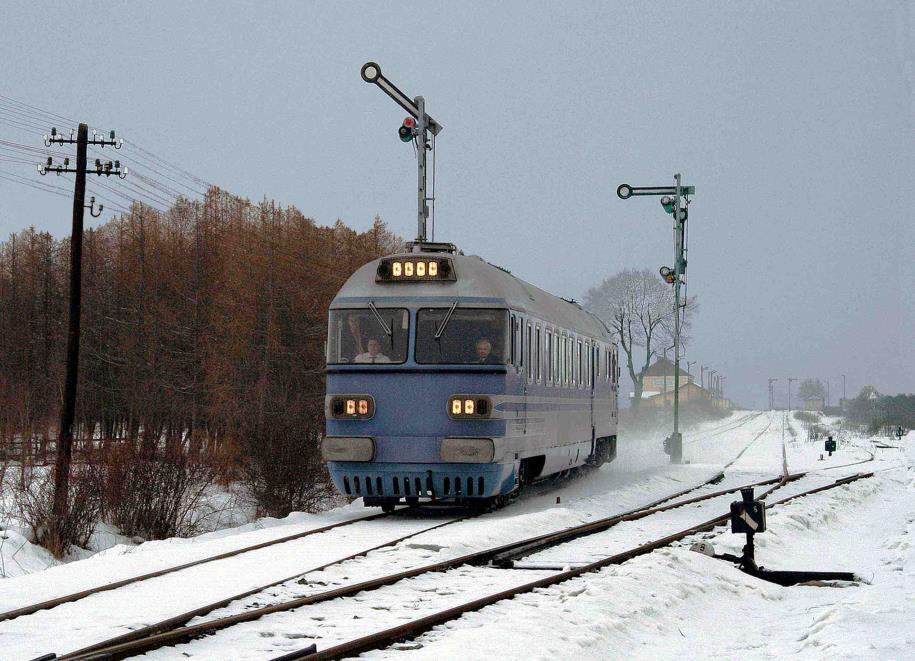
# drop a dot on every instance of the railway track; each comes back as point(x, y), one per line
point(82, 594)
point(481, 561)
point(421, 625)
point(176, 629)
point(114, 585)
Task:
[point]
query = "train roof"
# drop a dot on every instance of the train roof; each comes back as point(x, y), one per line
point(477, 284)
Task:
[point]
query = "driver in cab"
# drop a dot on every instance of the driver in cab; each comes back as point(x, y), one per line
point(373, 355)
point(484, 352)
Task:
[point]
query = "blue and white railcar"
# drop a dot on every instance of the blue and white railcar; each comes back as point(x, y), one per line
point(450, 379)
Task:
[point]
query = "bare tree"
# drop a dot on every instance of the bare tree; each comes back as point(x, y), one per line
point(811, 389)
point(638, 306)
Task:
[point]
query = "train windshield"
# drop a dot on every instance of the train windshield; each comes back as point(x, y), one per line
point(461, 336)
point(368, 335)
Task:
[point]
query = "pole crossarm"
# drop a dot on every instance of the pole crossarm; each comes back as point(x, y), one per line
point(625, 191)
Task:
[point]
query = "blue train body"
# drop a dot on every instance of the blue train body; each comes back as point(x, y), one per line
point(462, 388)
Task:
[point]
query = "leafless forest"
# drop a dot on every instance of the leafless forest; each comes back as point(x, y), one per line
point(201, 356)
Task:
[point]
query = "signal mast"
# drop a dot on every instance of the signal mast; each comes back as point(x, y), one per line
point(415, 128)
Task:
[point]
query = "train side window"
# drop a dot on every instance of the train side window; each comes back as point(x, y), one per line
point(539, 371)
point(513, 350)
point(549, 356)
point(565, 360)
point(579, 363)
point(574, 362)
point(520, 342)
point(570, 364)
point(530, 352)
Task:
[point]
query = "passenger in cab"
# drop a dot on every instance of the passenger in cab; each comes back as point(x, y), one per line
point(373, 355)
point(484, 352)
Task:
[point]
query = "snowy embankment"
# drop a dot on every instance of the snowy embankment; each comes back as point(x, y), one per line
point(671, 603)
point(675, 604)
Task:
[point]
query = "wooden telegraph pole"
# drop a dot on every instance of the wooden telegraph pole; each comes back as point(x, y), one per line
point(68, 408)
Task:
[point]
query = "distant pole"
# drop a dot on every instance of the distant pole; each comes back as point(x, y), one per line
point(772, 394)
point(844, 397)
point(702, 376)
point(790, 381)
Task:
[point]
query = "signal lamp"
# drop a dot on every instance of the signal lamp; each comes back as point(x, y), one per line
point(668, 203)
point(667, 274)
point(406, 130)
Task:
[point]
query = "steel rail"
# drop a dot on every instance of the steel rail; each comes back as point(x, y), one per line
point(182, 619)
point(107, 650)
point(411, 629)
point(161, 633)
point(82, 594)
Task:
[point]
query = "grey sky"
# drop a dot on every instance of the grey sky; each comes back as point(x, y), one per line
point(793, 120)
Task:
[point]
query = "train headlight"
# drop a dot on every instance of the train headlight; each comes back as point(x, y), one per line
point(465, 407)
point(415, 269)
point(350, 407)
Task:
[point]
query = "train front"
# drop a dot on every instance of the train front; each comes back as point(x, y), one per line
point(417, 350)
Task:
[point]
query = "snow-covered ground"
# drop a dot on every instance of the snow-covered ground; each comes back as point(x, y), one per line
point(672, 603)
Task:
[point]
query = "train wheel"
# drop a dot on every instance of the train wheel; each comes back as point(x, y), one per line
point(388, 507)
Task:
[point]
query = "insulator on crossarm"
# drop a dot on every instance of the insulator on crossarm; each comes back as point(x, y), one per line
point(123, 174)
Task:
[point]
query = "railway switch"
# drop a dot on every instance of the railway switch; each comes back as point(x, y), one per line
point(748, 515)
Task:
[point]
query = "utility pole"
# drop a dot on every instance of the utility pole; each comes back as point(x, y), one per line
point(843, 392)
point(414, 129)
point(702, 369)
point(721, 381)
point(771, 394)
point(790, 381)
point(68, 408)
point(675, 201)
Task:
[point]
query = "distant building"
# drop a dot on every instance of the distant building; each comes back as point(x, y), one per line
point(659, 377)
point(814, 404)
point(658, 387)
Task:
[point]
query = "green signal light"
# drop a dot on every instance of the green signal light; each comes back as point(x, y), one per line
point(668, 203)
point(406, 134)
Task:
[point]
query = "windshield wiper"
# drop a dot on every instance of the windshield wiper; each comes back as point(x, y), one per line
point(441, 329)
point(374, 310)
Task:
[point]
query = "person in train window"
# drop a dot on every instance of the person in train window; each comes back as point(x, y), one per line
point(373, 355)
point(484, 352)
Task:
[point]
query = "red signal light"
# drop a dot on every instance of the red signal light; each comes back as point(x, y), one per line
point(409, 122)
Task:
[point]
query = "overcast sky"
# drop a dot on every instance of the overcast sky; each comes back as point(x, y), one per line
point(793, 120)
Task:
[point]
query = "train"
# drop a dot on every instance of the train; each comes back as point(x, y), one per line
point(450, 380)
